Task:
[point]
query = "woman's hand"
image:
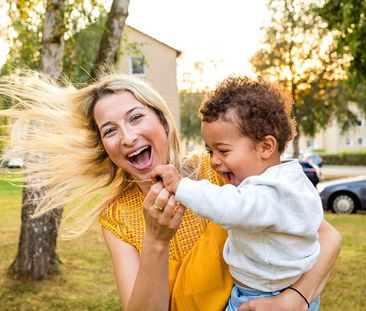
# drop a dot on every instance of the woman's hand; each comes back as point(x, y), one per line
point(286, 301)
point(161, 220)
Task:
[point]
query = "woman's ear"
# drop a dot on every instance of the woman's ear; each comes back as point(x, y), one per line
point(268, 146)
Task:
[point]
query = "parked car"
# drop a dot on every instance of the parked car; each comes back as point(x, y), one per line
point(310, 170)
point(15, 163)
point(344, 196)
point(313, 158)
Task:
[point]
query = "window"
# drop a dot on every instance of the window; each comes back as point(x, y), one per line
point(138, 66)
point(360, 142)
point(360, 123)
point(348, 142)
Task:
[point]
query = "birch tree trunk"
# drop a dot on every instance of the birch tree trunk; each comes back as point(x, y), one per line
point(111, 37)
point(37, 258)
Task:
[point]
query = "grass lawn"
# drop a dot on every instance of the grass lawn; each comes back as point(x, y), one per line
point(86, 281)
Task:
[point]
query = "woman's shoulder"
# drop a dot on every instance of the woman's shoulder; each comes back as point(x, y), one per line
point(123, 217)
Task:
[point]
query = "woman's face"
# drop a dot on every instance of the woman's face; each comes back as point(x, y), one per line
point(132, 134)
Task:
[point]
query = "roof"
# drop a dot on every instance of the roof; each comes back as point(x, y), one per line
point(178, 51)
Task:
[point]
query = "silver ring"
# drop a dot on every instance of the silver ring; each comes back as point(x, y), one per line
point(160, 209)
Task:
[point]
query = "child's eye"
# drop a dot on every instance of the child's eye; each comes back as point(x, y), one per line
point(209, 152)
point(224, 152)
point(108, 131)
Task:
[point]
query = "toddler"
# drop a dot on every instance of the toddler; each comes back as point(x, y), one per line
point(271, 210)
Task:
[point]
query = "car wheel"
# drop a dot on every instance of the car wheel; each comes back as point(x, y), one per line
point(343, 203)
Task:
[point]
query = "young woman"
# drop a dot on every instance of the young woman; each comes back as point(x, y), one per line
point(102, 142)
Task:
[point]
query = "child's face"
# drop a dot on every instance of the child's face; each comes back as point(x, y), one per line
point(233, 155)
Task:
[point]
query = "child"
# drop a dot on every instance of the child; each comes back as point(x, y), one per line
point(271, 210)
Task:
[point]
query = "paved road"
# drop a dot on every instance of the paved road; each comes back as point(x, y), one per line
point(337, 171)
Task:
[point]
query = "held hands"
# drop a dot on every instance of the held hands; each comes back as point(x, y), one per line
point(169, 176)
point(161, 220)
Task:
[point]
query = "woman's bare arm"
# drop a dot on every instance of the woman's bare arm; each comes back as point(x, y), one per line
point(143, 280)
point(311, 283)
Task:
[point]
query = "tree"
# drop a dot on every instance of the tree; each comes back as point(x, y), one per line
point(190, 102)
point(296, 54)
point(24, 33)
point(37, 258)
point(108, 48)
point(347, 19)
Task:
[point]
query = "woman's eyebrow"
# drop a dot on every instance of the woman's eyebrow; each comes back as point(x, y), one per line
point(128, 112)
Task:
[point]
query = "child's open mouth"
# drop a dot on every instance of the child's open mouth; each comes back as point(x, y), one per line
point(229, 177)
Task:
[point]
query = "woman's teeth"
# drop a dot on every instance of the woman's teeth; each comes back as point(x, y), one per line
point(137, 152)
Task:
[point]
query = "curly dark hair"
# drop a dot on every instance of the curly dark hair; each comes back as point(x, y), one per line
point(261, 108)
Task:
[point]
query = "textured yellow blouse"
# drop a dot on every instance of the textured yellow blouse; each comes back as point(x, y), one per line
point(199, 279)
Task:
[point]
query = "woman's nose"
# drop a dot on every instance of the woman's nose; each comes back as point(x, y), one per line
point(128, 137)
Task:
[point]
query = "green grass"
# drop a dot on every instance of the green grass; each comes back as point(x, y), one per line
point(86, 280)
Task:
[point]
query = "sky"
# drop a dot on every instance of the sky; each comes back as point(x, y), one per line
point(222, 34)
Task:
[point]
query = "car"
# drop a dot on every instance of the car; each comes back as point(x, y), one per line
point(15, 163)
point(344, 196)
point(313, 158)
point(311, 170)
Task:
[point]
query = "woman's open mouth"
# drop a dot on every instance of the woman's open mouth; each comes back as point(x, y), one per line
point(141, 159)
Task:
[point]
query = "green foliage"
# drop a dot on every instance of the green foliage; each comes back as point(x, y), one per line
point(348, 19)
point(190, 122)
point(24, 35)
point(296, 54)
point(345, 157)
point(25, 31)
point(81, 50)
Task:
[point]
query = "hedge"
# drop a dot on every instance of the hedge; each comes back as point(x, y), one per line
point(357, 158)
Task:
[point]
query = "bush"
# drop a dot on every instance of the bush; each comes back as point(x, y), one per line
point(349, 157)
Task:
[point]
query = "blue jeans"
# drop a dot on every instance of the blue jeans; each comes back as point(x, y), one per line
point(240, 295)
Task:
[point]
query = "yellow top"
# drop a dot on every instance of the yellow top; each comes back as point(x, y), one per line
point(199, 279)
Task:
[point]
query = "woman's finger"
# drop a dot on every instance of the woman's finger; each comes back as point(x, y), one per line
point(153, 193)
point(178, 215)
point(162, 199)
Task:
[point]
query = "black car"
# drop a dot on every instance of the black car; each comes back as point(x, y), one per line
point(310, 170)
point(344, 196)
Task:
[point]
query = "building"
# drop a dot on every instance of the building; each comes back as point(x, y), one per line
point(332, 139)
point(154, 61)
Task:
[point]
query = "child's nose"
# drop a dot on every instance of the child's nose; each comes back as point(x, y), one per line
point(215, 161)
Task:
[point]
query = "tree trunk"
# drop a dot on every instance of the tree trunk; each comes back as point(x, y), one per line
point(36, 258)
point(52, 47)
point(111, 38)
point(295, 144)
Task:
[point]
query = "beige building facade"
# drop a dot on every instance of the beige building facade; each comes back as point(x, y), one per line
point(155, 62)
point(332, 139)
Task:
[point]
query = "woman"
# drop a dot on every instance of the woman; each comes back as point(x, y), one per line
point(103, 141)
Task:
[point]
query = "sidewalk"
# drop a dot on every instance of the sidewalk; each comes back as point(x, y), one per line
point(339, 171)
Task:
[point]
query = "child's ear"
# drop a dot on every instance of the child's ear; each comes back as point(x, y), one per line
point(268, 146)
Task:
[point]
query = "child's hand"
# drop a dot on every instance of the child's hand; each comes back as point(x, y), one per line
point(169, 175)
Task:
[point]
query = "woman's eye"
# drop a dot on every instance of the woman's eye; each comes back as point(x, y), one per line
point(224, 151)
point(209, 152)
point(108, 131)
point(135, 117)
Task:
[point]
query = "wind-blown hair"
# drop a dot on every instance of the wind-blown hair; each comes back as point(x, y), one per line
point(55, 125)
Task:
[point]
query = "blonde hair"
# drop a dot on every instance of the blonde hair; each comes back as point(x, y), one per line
point(58, 124)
